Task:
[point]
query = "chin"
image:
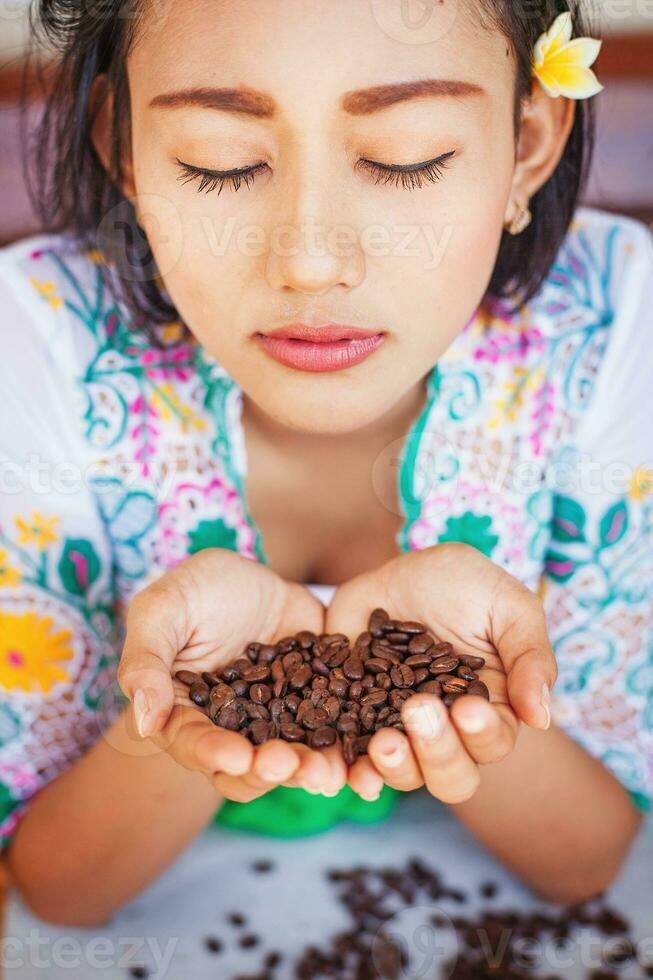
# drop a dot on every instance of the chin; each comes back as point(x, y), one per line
point(329, 416)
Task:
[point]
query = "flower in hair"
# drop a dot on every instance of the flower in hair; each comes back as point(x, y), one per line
point(563, 65)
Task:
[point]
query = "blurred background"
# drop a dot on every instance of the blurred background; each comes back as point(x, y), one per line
point(622, 177)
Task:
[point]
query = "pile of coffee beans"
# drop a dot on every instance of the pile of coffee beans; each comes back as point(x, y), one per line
point(319, 690)
point(491, 944)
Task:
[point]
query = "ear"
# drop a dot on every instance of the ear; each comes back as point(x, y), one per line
point(545, 128)
point(101, 115)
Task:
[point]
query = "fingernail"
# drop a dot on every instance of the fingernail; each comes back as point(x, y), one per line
point(545, 701)
point(144, 712)
point(472, 723)
point(370, 798)
point(425, 721)
point(394, 756)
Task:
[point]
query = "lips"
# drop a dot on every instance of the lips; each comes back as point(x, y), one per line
point(332, 347)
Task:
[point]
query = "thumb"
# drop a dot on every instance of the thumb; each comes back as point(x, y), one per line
point(521, 639)
point(152, 643)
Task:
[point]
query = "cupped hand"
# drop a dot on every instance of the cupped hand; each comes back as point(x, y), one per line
point(468, 600)
point(200, 616)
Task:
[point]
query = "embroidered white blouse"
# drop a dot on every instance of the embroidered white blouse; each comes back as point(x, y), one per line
point(119, 457)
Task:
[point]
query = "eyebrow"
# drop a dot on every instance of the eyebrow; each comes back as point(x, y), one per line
point(363, 102)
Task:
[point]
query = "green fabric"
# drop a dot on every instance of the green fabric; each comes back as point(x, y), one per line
point(286, 812)
point(641, 802)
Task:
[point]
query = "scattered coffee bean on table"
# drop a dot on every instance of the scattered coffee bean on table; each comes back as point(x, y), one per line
point(320, 690)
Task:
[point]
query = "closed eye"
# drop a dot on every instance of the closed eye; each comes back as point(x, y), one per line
point(410, 176)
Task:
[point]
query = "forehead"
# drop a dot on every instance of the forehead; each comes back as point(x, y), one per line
point(314, 50)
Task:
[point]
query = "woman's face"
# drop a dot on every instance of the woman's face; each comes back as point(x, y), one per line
point(313, 95)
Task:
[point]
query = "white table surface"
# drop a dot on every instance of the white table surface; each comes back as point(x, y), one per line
point(294, 904)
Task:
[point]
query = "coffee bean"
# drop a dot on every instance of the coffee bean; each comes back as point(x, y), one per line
point(402, 676)
point(421, 674)
point(374, 697)
point(350, 749)
point(356, 691)
point(213, 944)
point(260, 693)
point(368, 718)
point(452, 685)
point(200, 693)
point(478, 687)
point(280, 689)
point(256, 711)
point(347, 724)
point(430, 687)
point(257, 672)
point(474, 662)
point(397, 639)
point(421, 644)
point(397, 698)
point(319, 667)
point(466, 673)
point(301, 677)
point(443, 665)
point(240, 688)
point(267, 653)
point(376, 665)
point(376, 621)
point(259, 731)
point(292, 661)
point(315, 718)
point(222, 695)
point(292, 732)
point(210, 678)
point(353, 668)
point(322, 738)
point(417, 660)
point(187, 677)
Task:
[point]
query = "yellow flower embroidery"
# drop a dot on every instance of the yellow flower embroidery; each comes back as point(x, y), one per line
point(172, 332)
point(48, 291)
point(562, 65)
point(641, 484)
point(164, 401)
point(30, 653)
point(96, 256)
point(39, 530)
point(9, 577)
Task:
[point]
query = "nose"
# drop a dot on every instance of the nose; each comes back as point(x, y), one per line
point(312, 248)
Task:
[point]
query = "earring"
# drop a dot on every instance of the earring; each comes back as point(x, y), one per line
point(520, 222)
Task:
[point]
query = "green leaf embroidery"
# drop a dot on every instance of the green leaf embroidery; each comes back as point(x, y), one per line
point(212, 534)
point(614, 524)
point(473, 529)
point(568, 520)
point(560, 567)
point(79, 566)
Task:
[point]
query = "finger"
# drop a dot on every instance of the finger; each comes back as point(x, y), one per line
point(275, 762)
point(338, 768)
point(197, 744)
point(519, 633)
point(314, 773)
point(394, 759)
point(153, 639)
point(487, 731)
point(449, 773)
point(365, 780)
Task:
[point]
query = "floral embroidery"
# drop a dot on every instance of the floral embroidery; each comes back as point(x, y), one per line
point(9, 576)
point(39, 530)
point(30, 653)
point(473, 529)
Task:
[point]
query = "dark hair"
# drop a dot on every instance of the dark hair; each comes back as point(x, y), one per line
point(72, 192)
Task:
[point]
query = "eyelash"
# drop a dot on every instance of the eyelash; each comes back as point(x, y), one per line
point(411, 176)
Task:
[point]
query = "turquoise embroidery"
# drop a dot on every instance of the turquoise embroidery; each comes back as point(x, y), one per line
point(212, 534)
point(473, 529)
